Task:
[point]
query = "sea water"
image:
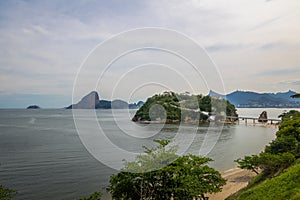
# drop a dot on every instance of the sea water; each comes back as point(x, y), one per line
point(42, 156)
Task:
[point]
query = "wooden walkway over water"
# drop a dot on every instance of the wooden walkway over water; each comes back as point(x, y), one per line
point(254, 120)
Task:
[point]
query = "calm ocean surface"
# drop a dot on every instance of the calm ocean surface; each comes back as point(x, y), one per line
point(42, 156)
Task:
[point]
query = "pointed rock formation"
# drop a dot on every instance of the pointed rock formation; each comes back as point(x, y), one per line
point(263, 117)
point(87, 102)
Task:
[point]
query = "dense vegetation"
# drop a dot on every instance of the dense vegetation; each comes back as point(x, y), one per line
point(284, 186)
point(6, 194)
point(275, 161)
point(161, 174)
point(173, 107)
point(291, 114)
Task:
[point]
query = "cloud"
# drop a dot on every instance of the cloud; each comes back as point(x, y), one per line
point(279, 72)
point(266, 22)
point(227, 47)
point(296, 83)
point(278, 45)
point(43, 43)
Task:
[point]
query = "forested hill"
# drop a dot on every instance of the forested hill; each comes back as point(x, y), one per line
point(170, 107)
point(248, 99)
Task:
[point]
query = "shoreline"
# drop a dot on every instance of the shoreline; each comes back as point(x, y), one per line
point(236, 179)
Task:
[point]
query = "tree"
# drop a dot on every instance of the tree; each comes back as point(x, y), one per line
point(178, 107)
point(282, 145)
point(193, 178)
point(281, 152)
point(272, 164)
point(292, 114)
point(290, 127)
point(6, 194)
point(161, 174)
point(249, 163)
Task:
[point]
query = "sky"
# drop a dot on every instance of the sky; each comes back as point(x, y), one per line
point(254, 44)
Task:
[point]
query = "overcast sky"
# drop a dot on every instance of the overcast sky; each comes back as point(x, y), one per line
point(254, 43)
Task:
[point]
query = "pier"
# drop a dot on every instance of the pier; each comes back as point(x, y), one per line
point(253, 120)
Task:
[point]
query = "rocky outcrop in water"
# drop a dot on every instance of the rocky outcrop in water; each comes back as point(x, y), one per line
point(170, 107)
point(92, 101)
point(33, 107)
point(87, 102)
point(263, 117)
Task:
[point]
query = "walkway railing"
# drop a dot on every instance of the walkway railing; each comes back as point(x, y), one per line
point(254, 120)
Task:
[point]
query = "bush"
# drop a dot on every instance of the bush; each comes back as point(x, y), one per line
point(157, 177)
point(6, 194)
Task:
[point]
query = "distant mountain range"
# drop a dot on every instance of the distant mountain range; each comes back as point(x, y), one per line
point(241, 99)
point(92, 101)
point(248, 99)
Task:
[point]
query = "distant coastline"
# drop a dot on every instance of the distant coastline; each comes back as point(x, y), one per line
point(249, 99)
point(240, 99)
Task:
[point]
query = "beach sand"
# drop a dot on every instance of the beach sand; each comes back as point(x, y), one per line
point(236, 180)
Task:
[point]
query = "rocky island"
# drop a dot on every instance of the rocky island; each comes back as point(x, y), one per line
point(92, 101)
point(170, 107)
point(33, 107)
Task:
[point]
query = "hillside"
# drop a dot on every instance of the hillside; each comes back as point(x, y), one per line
point(248, 99)
point(278, 166)
point(284, 186)
point(92, 101)
point(172, 108)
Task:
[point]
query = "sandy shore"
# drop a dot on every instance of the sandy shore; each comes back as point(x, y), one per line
point(236, 180)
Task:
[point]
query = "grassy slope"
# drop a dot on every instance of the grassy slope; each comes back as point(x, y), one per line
point(285, 186)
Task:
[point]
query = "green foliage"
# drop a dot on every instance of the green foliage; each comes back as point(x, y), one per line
point(184, 106)
point(284, 186)
point(290, 127)
point(182, 177)
point(292, 114)
point(249, 163)
point(94, 196)
point(274, 163)
point(278, 156)
point(258, 179)
point(288, 138)
point(283, 144)
point(193, 178)
point(168, 100)
point(6, 194)
point(205, 104)
point(269, 163)
point(230, 110)
point(280, 153)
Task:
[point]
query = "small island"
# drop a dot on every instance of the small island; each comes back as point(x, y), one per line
point(170, 107)
point(92, 101)
point(33, 107)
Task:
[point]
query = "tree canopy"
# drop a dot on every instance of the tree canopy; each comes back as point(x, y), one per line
point(281, 152)
point(179, 107)
point(177, 177)
point(6, 194)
